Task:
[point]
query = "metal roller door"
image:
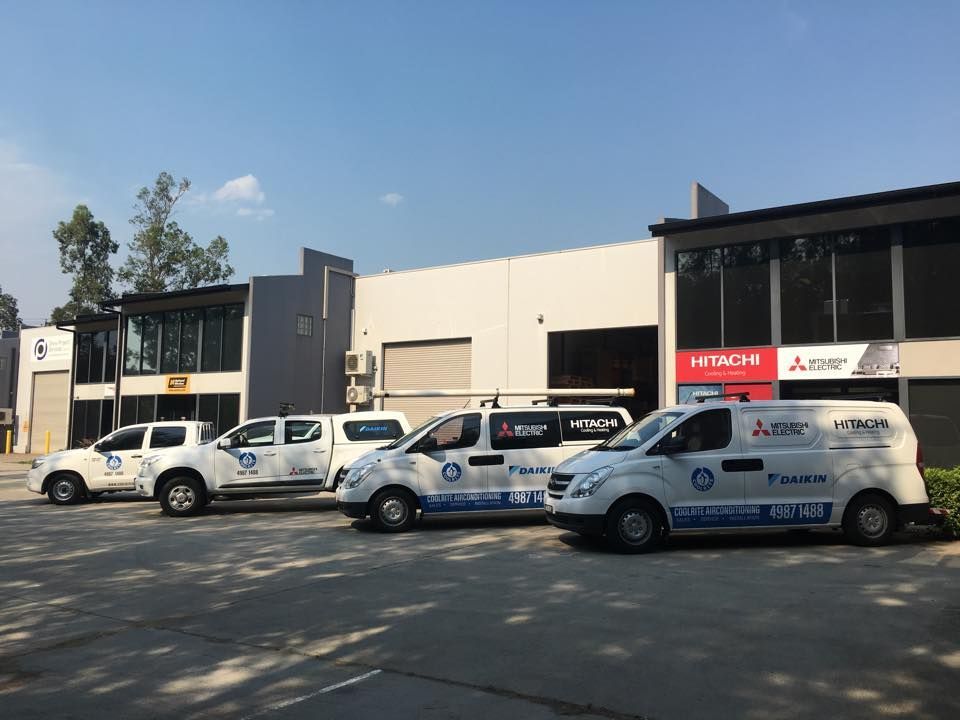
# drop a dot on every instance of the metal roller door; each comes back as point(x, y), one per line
point(433, 365)
point(51, 405)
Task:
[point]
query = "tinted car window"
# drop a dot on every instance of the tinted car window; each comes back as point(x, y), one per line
point(589, 424)
point(129, 439)
point(709, 430)
point(162, 437)
point(372, 430)
point(301, 431)
point(524, 430)
point(255, 434)
point(462, 431)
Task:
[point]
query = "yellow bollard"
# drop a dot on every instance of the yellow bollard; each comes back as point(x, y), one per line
point(46, 443)
point(9, 444)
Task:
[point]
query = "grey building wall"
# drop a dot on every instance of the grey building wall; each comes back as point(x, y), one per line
point(10, 351)
point(287, 367)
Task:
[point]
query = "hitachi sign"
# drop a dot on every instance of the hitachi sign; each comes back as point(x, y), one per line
point(728, 360)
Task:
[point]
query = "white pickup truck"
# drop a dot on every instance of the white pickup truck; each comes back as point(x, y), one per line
point(293, 455)
point(110, 464)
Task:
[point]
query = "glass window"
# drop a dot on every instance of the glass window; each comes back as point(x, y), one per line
point(106, 418)
point(207, 409)
point(172, 436)
point(864, 285)
point(305, 325)
point(597, 425)
point(746, 295)
point(146, 408)
point(176, 407)
point(126, 439)
point(255, 434)
point(462, 431)
point(92, 420)
point(229, 414)
point(935, 416)
point(170, 355)
point(128, 410)
point(131, 362)
point(85, 429)
point(98, 351)
point(524, 430)
point(212, 342)
point(708, 430)
point(3, 363)
point(301, 431)
point(357, 431)
point(232, 338)
point(642, 431)
point(806, 290)
point(150, 353)
point(82, 373)
point(698, 299)
point(190, 341)
point(110, 368)
point(931, 256)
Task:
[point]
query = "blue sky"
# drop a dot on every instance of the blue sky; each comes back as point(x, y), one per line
point(406, 134)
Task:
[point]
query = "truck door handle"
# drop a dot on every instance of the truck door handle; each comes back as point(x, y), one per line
point(485, 460)
point(270, 452)
point(319, 451)
point(136, 456)
point(742, 465)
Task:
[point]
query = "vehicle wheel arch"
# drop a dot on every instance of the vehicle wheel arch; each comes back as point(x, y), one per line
point(72, 473)
point(175, 472)
point(664, 518)
point(394, 486)
point(885, 494)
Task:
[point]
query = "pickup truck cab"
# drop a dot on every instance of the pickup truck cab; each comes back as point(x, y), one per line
point(486, 459)
point(854, 465)
point(269, 456)
point(110, 464)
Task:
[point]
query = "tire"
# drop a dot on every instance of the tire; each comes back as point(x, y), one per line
point(393, 510)
point(65, 490)
point(870, 520)
point(634, 526)
point(182, 497)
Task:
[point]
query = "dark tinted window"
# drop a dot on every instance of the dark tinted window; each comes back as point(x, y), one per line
point(931, 256)
point(106, 418)
point(708, 430)
point(462, 431)
point(98, 351)
point(131, 439)
point(372, 430)
point(171, 343)
point(229, 412)
point(110, 366)
point(84, 340)
point(86, 426)
point(131, 363)
point(212, 329)
point(189, 340)
point(232, 337)
point(589, 424)
point(935, 416)
point(128, 410)
point(162, 437)
point(864, 285)
point(150, 353)
point(146, 408)
point(746, 295)
point(806, 290)
point(301, 431)
point(698, 299)
point(207, 408)
point(524, 430)
point(256, 434)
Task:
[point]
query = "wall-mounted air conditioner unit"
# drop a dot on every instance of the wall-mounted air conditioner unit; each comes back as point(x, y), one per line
point(358, 395)
point(359, 362)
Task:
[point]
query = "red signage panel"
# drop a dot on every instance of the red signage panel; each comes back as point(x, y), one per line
point(741, 365)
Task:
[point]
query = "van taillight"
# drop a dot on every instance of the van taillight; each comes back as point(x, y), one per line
point(920, 461)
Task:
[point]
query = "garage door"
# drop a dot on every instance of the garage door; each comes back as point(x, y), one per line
point(434, 365)
point(51, 402)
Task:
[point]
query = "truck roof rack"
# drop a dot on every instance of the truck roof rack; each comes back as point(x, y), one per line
point(742, 397)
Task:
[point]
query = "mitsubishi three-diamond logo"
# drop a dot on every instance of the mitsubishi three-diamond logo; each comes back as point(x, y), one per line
point(760, 429)
point(797, 365)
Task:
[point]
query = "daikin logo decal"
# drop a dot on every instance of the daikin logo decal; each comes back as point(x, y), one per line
point(782, 479)
point(702, 479)
point(526, 470)
point(247, 460)
point(451, 472)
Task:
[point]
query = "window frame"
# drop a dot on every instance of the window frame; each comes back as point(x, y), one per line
point(166, 428)
point(288, 440)
point(131, 429)
point(307, 325)
point(671, 432)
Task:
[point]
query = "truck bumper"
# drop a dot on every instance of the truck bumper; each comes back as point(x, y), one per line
point(352, 509)
point(583, 524)
point(921, 514)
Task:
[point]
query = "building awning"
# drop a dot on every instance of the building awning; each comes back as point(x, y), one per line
point(130, 298)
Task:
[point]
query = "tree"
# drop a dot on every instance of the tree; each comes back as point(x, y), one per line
point(163, 256)
point(85, 250)
point(9, 312)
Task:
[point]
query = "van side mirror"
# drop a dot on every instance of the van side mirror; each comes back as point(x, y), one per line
point(673, 445)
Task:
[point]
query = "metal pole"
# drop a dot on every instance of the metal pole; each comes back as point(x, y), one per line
point(510, 392)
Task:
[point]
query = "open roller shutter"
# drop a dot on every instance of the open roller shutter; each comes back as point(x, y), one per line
point(433, 365)
point(51, 404)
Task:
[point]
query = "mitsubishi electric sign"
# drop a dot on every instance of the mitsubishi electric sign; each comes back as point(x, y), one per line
point(838, 362)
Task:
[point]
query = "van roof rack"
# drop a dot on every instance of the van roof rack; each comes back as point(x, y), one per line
point(742, 397)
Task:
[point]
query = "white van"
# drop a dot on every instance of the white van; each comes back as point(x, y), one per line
point(471, 460)
point(110, 464)
point(270, 456)
point(784, 464)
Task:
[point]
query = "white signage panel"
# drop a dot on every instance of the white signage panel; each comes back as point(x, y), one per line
point(838, 362)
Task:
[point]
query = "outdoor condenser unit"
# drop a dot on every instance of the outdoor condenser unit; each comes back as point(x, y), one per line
point(359, 362)
point(358, 395)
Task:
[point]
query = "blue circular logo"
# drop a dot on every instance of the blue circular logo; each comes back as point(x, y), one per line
point(451, 472)
point(702, 478)
point(247, 460)
point(114, 462)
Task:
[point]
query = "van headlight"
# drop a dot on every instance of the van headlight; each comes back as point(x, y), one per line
point(592, 482)
point(37, 462)
point(357, 475)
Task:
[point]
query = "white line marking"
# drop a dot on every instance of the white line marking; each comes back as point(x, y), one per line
point(321, 691)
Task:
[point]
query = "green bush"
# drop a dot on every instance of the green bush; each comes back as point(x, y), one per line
point(943, 485)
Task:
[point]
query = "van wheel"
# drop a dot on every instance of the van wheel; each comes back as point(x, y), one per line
point(869, 521)
point(393, 510)
point(182, 497)
point(634, 526)
point(65, 490)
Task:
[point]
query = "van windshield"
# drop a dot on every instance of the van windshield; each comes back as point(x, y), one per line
point(401, 440)
point(642, 431)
